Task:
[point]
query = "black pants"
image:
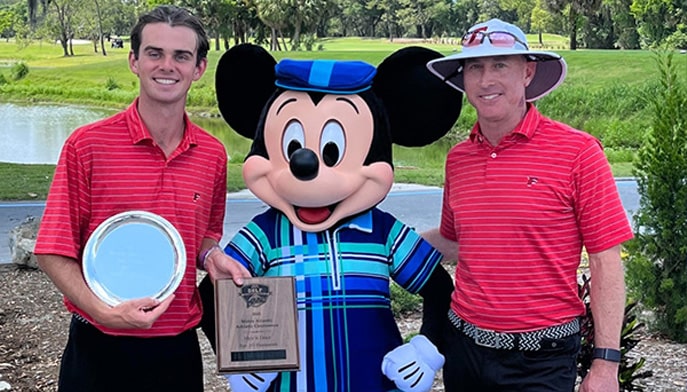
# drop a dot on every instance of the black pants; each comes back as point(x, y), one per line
point(470, 367)
point(96, 362)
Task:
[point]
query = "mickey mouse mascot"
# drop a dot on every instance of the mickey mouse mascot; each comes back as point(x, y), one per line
point(321, 159)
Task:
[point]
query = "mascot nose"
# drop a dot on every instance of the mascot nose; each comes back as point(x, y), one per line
point(304, 164)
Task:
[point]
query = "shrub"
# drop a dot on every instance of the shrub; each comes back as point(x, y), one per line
point(111, 84)
point(19, 71)
point(627, 371)
point(3, 79)
point(677, 40)
point(403, 302)
point(656, 268)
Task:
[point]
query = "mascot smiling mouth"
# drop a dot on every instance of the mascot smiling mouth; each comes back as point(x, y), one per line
point(314, 215)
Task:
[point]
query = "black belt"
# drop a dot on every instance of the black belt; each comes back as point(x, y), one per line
point(523, 341)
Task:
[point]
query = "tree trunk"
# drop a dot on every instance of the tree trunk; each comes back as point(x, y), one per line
point(63, 42)
point(274, 42)
point(296, 41)
point(100, 27)
point(283, 41)
point(573, 28)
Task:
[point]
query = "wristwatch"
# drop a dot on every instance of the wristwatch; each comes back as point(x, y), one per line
point(607, 354)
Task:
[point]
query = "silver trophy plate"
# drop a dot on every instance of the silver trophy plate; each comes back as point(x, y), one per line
point(134, 254)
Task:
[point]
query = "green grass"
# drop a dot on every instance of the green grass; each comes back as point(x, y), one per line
point(25, 182)
point(603, 94)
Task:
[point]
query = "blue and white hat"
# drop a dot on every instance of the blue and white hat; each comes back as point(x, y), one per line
point(551, 68)
point(326, 76)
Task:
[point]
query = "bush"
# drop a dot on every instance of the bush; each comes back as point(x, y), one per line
point(111, 84)
point(19, 71)
point(656, 268)
point(677, 40)
point(403, 302)
point(627, 371)
point(3, 79)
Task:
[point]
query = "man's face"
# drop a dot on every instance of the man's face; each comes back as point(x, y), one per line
point(495, 86)
point(166, 64)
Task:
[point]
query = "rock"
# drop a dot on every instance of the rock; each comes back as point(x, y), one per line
point(23, 242)
point(5, 386)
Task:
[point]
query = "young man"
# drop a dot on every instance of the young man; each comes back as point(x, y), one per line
point(149, 157)
point(523, 195)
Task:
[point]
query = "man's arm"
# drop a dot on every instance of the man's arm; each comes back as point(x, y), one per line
point(67, 277)
point(445, 246)
point(607, 299)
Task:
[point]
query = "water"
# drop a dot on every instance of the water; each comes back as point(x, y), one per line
point(35, 133)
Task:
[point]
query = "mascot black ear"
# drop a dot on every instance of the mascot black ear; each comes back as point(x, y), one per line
point(244, 81)
point(420, 106)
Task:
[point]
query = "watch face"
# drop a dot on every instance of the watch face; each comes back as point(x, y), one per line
point(134, 254)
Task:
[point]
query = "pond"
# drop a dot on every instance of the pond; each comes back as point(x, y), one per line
point(34, 133)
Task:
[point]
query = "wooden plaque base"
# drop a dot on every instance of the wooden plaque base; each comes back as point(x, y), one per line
point(256, 328)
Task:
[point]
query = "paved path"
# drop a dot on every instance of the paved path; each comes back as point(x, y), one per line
point(416, 205)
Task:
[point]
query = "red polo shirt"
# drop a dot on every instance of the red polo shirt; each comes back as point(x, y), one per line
point(112, 166)
point(521, 213)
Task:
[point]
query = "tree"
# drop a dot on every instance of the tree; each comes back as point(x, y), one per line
point(522, 8)
point(540, 20)
point(360, 17)
point(657, 266)
point(575, 10)
point(273, 13)
point(60, 21)
point(421, 13)
point(33, 9)
point(625, 24)
point(658, 19)
point(6, 20)
point(598, 31)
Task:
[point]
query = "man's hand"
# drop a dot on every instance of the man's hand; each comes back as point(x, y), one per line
point(220, 266)
point(602, 377)
point(134, 314)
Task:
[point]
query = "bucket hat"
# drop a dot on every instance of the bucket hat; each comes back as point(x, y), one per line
point(480, 42)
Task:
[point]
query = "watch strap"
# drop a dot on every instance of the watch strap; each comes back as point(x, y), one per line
point(607, 354)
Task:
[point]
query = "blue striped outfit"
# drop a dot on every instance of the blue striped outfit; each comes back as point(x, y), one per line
point(342, 286)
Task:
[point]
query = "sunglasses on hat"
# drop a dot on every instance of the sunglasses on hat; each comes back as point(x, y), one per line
point(502, 39)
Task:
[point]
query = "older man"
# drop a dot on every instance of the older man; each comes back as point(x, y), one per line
point(523, 196)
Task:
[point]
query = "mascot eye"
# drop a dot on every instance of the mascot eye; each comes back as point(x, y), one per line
point(294, 138)
point(333, 143)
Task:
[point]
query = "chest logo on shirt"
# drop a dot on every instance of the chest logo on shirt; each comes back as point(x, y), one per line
point(196, 197)
point(531, 181)
point(255, 295)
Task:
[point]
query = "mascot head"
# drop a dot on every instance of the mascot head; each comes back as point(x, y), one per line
point(323, 130)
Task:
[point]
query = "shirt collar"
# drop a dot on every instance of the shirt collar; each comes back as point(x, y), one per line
point(362, 222)
point(139, 132)
point(526, 127)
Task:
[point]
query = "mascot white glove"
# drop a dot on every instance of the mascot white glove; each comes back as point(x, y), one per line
point(412, 366)
point(250, 382)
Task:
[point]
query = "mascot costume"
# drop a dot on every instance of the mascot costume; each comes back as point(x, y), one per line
point(321, 159)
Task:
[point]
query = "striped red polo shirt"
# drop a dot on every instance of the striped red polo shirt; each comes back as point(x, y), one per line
point(112, 166)
point(521, 213)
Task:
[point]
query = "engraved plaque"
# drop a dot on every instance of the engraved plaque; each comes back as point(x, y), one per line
point(256, 328)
